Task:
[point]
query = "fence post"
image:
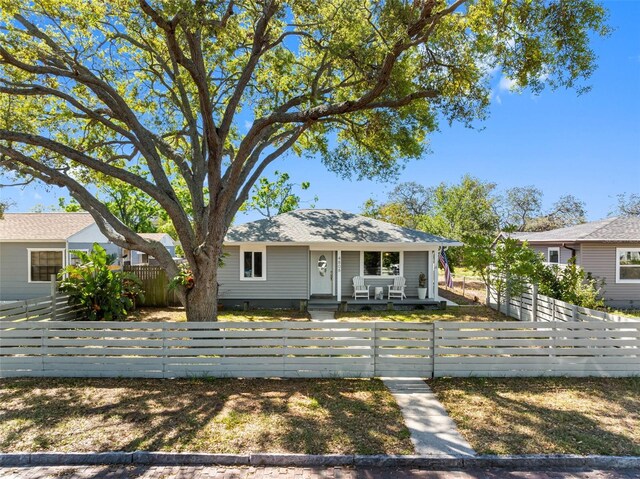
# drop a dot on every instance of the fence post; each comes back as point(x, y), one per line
point(54, 297)
point(553, 309)
point(434, 327)
point(164, 350)
point(375, 349)
point(574, 312)
point(464, 285)
point(534, 303)
point(507, 300)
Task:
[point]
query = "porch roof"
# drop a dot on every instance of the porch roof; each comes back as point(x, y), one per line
point(329, 226)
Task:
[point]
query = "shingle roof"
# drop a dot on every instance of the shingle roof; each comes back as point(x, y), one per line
point(42, 226)
point(622, 228)
point(328, 226)
point(154, 236)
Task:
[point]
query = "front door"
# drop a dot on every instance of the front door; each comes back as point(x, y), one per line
point(321, 268)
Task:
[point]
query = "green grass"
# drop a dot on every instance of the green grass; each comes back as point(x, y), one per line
point(453, 313)
point(178, 314)
point(319, 416)
point(545, 415)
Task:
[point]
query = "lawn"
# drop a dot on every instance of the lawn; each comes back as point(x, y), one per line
point(453, 313)
point(178, 314)
point(217, 416)
point(545, 415)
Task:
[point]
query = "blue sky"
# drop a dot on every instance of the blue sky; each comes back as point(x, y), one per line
point(587, 145)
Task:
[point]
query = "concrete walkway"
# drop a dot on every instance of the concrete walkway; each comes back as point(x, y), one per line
point(322, 315)
point(433, 432)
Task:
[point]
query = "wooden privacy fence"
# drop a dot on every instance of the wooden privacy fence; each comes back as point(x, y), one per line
point(155, 285)
point(532, 306)
point(312, 349)
point(47, 308)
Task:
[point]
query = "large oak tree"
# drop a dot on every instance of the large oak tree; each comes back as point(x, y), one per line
point(203, 95)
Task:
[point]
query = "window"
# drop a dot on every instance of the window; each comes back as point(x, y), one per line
point(381, 263)
point(253, 264)
point(553, 255)
point(43, 263)
point(627, 265)
point(73, 259)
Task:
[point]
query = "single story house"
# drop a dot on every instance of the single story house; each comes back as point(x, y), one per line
point(33, 246)
point(314, 254)
point(609, 249)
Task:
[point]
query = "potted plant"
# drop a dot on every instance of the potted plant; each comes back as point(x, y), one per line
point(422, 286)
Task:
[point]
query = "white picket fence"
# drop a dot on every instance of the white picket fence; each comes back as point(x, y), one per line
point(532, 306)
point(313, 349)
point(46, 308)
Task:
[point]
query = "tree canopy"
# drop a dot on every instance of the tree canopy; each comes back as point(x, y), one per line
point(203, 95)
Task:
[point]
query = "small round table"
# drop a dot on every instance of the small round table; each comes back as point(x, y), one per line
point(378, 292)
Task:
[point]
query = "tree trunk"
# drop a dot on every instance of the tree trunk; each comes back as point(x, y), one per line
point(202, 299)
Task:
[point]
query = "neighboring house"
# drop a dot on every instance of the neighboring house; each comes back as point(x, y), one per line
point(314, 254)
point(609, 249)
point(132, 257)
point(33, 246)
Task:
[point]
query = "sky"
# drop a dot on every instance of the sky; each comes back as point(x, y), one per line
point(561, 142)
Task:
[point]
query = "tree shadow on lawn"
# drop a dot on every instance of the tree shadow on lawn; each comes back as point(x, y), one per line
point(533, 415)
point(225, 415)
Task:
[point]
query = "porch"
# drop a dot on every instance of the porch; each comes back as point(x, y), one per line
point(332, 303)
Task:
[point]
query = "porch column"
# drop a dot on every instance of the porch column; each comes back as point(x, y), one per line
point(435, 273)
point(339, 276)
point(430, 274)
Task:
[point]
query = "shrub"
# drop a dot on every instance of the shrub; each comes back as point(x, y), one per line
point(104, 294)
point(571, 284)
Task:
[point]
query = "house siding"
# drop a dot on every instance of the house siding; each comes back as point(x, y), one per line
point(287, 275)
point(14, 275)
point(565, 254)
point(599, 259)
point(415, 262)
point(350, 268)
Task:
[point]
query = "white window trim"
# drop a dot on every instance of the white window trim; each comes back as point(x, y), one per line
point(549, 250)
point(618, 280)
point(382, 250)
point(254, 249)
point(29, 250)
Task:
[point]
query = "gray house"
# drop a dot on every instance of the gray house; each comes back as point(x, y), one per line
point(33, 246)
point(609, 249)
point(314, 254)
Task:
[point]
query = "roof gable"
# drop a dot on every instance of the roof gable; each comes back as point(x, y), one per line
point(327, 226)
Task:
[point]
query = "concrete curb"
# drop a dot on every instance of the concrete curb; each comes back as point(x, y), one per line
point(442, 463)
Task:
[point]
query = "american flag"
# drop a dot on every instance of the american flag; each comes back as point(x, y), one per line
point(445, 265)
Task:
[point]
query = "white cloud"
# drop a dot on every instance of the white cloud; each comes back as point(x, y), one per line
point(507, 84)
point(247, 124)
point(498, 100)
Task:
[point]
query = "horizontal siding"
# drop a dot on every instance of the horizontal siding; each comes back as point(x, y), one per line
point(14, 279)
point(287, 275)
point(350, 268)
point(415, 262)
point(110, 248)
point(599, 259)
point(565, 254)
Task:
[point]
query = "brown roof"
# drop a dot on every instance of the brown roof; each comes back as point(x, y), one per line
point(42, 226)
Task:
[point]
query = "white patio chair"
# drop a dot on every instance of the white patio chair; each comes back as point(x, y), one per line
point(396, 290)
point(360, 290)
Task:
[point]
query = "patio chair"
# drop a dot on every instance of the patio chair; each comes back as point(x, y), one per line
point(396, 290)
point(360, 290)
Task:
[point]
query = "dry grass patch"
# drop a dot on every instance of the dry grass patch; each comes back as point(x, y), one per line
point(545, 415)
point(452, 313)
point(178, 314)
point(217, 416)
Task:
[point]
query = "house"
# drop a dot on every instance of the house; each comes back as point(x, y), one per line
point(313, 254)
point(132, 257)
point(34, 246)
point(609, 249)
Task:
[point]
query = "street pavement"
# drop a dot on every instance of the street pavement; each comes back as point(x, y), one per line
point(214, 472)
